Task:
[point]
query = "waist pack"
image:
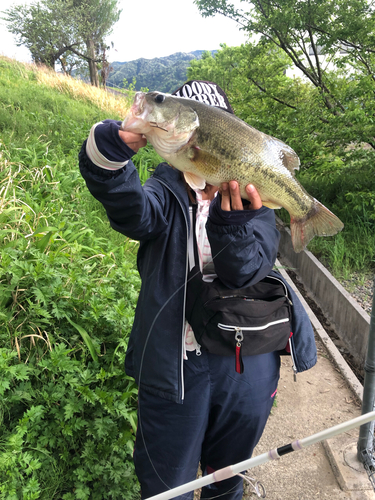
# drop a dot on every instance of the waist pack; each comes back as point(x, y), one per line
point(238, 322)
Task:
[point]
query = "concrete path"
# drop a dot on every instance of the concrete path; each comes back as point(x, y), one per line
point(322, 397)
point(318, 400)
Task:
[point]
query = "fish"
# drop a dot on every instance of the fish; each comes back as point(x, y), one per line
point(210, 145)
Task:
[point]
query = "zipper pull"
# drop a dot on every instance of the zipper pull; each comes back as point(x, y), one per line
point(198, 351)
point(239, 338)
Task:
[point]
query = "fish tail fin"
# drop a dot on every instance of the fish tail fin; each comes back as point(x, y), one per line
point(318, 222)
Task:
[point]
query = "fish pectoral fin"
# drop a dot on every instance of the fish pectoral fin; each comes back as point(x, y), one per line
point(288, 156)
point(271, 204)
point(204, 161)
point(194, 181)
point(290, 160)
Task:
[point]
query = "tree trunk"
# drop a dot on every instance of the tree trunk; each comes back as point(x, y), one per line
point(94, 77)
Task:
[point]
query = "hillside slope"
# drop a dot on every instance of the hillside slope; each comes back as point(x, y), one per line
point(162, 73)
point(68, 289)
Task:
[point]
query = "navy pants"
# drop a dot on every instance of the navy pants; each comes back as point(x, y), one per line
point(219, 424)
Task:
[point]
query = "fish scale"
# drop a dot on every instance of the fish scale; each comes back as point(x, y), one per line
point(213, 146)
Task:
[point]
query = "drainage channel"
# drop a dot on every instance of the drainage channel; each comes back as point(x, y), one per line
point(351, 375)
point(359, 373)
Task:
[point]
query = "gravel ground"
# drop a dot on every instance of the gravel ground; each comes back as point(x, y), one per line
point(361, 289)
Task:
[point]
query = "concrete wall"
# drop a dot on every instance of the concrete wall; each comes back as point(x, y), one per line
point(350, 321)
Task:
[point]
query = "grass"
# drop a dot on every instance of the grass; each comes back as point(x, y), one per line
point(348, 252)
point(39, 143)
point(349, 192)
point(351, 251)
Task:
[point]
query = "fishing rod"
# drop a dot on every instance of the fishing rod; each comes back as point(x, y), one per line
point(233, 470)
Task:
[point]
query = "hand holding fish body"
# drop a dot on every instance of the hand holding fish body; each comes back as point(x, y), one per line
point(213, 146)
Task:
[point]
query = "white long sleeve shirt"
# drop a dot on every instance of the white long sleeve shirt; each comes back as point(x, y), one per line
point(205, 262)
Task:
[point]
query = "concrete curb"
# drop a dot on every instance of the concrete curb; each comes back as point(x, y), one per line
point(341, 452)
point(349, 320)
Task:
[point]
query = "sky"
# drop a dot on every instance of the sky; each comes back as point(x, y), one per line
point(149, 29)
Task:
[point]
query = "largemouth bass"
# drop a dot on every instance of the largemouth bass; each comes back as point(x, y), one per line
point(213, 146)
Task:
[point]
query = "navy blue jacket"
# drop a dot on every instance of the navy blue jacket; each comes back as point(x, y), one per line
point(244, 247)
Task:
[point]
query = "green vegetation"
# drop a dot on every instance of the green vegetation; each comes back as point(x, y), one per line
point(65, 32)
point(68, 289)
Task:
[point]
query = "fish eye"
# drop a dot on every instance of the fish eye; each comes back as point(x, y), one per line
point(160, 98)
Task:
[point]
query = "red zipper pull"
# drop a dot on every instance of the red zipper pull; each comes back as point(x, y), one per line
point(239, 362)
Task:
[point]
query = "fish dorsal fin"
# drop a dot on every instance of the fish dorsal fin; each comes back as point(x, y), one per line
point(271, 204)
point(287, 155)
point(194, 181)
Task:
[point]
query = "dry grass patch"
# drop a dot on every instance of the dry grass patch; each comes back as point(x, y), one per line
point(77, 89)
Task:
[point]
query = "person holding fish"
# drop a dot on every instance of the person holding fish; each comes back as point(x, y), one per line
point(195, 407)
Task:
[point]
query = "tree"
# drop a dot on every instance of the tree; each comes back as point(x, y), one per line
point(44, 29)
point(238, 69)
point(341, 30)
point(254, 78)
point(95, 19)
point(55, 29)
point(106, 68)
point(69, 62)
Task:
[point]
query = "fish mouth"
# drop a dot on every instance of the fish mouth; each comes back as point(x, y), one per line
point(136, 119)
point(144, 119)
point(140, 109)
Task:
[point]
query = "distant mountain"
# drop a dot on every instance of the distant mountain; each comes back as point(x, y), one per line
point(161, 73)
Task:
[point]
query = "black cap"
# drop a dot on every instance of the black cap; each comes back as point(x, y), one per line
point(206, 92)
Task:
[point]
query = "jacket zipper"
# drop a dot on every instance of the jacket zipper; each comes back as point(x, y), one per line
point(284, 285)
point(294, 368)
point(182, 391)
